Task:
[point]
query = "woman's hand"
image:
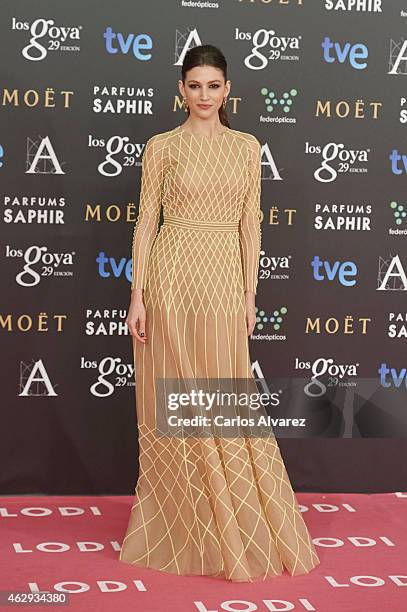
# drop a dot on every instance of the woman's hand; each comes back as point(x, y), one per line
point(136, 316)
point(250, 311)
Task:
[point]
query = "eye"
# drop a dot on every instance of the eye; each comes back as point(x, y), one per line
point(215, 85)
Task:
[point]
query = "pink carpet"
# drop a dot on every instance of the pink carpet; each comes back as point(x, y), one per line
point(71, 544)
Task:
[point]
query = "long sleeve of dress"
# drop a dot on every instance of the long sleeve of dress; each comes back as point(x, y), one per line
point(250, 228)
point(146, 226)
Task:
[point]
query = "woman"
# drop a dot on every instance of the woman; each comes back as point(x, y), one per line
point(217, 506)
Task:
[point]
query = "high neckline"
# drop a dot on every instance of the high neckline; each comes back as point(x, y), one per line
point(203, 136)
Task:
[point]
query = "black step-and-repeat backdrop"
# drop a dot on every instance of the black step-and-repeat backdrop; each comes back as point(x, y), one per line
point(322, 84)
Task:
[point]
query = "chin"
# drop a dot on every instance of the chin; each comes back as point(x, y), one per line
point(205, 114)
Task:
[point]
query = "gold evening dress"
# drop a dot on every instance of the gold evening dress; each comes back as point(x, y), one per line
point(222, 507)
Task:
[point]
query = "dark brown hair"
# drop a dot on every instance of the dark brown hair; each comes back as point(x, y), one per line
point(206, 55)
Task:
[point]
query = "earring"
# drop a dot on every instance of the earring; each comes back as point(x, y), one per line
point(184, 102)
point(224, 102)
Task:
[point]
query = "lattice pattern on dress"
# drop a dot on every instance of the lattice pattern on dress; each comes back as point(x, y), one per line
point(220, 506)
point(170, 168)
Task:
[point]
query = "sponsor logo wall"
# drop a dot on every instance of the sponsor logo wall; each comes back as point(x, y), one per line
point(322, 86)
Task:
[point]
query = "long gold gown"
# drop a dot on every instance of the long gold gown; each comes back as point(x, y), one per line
point(205, 506)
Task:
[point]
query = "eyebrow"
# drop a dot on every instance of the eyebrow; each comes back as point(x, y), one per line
point(195, 81)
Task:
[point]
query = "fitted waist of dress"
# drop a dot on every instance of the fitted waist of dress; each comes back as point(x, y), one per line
point(211, 226)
